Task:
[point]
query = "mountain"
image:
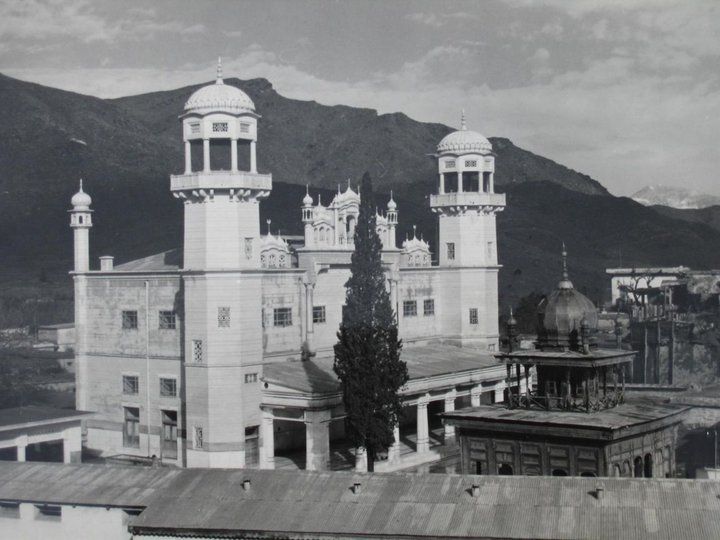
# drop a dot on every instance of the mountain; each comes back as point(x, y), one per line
point(709, 216)
point(674, 197)
point(130, 146)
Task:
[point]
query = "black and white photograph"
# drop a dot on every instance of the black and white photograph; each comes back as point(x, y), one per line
point(359, 269)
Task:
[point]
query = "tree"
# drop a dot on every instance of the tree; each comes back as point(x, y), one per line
point(367, 354)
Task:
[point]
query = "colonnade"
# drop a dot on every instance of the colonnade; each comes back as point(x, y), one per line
point(233, 156)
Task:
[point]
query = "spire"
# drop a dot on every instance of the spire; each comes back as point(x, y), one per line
point(219, 78)
point(268, 221)
point(463, 126)
point(80, 190)
point(565, 282)
point(414, 231)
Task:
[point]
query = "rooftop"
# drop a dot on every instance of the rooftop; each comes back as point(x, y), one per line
point(17, 416)
point(423, 361)
point(295, 504)
point(623, 416)
point(595, 357)
point(169, 261)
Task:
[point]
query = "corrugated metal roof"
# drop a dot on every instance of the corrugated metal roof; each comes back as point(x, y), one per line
point(423, 362)
point(212, 501)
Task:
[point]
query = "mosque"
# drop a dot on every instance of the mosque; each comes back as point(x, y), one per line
point(220, 354)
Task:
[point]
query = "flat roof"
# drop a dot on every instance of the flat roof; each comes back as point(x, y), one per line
point(298, 504)
point(596, 357)
point(622, 416)
point(59, 326)
point(36, 414)
point(423, 361)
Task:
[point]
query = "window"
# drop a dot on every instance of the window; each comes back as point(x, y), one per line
point(250, 378)
point(197, 351)
point(248, 248)
point(195, 127)
point(409, 308)
point(244, 127)
point(9, 509)
point(219, 127)
point(429, 307)
point(224, 317)
point(449, 164)
point(471, 162)
point(131, 385)
point(129, 320)
point(168, 387)
point(49, 512)
point(473, 316)
point(451, 251)
point(282, 316)
point(131, 428)
point(505, 469)
point(169, 434)
point(318, 314)
point(198, 437)
point(491, 348)
point(167, 320)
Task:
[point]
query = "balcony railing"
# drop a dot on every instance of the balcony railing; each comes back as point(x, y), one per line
point(468, 198)
point(221, 180)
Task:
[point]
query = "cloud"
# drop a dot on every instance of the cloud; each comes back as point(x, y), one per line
point(437, 20)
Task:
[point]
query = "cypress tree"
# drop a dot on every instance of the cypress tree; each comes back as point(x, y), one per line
point(367, 354)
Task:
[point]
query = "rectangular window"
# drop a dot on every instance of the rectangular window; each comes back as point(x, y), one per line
point(197, 351)
point(131, 385)
point(282, 316)
point(198, 437)
point(318, 314)
point(167, 320)
point(451, 251)
point(224, 317)
point(244, 127)
point(429, 307)
point(409, 308)
point(131, 428)
point(9, 509)
point(473, 316)
point(450, 164)
point(129, 320)
point(251, 378)
point(168, 387)
point(220, 127)
point(169, 434)
point(48, 512)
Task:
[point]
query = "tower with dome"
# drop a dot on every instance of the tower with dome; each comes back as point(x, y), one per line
point(219, 353)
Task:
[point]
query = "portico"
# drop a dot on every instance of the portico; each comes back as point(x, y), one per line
point(309, 393)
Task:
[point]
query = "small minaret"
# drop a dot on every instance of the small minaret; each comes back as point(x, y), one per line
point(307, 216)
point(80, 222)
point(392, 220)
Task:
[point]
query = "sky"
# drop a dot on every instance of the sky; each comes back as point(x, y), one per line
point(627, 91)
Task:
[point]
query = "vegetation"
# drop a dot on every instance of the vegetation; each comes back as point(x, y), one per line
point(367, 354)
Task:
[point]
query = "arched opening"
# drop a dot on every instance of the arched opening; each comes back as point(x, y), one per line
point(471, 181)
point(350, 228)
point(648, 466)
point(588, 474)
point(627, 471)
point(451, 182)
point(505, 469)
point(617, 471)
point(478, 467)
point(638, 467)
point(559, 472)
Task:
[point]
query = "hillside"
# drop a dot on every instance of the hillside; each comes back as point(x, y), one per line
point(132, 144)
point(709, 216)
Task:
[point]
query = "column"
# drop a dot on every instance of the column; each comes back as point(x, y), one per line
point(475, 393)
point(21, 443)
point(492, 182)
point(394, 298)
point(233, 155)
point(360, 459)
point(188, 157)
point(317, 439)
point(72, 445)
point(309, 301)
point(423, 435)
point(206, 155)
point(253, 158)
point(442, 183)
point(449, 407)
point(394, 450)
point(267, 435)
point(499, 392)
point(459, 176)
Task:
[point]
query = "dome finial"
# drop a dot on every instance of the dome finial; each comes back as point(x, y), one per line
point(269, 221)
point(463, 125)
point(80, 190)
point(219, 77)
point(414, 231)
point(564, 263)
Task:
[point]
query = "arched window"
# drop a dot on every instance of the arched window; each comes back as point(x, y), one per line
point(588, 474)
point(322, 235)
point(617, 471)
point(505, 469)
point(559, 472)
point(638, 467)
point(648, 466)
point(627, 471)
point(478, 467)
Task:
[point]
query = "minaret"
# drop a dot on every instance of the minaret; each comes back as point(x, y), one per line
point(221, 191)
point(307, 217)
point(392, 220)
point(81, 222)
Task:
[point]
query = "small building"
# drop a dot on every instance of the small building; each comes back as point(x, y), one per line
point(36, 433)
point(60, 336)
point(576, 421)
point(45, 500)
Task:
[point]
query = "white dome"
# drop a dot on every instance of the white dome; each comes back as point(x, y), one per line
point(307, 199)
point(81, 200)
point(219, 97)
point(391, 205)
point(465, 141)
